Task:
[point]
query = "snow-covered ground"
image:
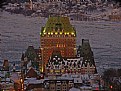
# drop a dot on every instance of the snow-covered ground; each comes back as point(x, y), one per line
point(18, 32)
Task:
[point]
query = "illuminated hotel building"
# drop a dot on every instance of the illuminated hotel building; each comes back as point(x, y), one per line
point(57, 34)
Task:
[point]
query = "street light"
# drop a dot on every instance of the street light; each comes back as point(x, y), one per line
point(111, 86)
point(22, 84)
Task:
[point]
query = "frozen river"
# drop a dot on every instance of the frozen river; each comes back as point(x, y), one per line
point(18, 32)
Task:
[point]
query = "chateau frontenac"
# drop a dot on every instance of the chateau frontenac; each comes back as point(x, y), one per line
point(58, 54)
point(59, 34)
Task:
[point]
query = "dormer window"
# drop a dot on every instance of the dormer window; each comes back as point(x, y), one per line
point(54, 59)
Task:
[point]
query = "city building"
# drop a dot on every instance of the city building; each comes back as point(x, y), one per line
point(57, 54)
point(58, 34)
point(59, 84)
point(6, 85)
point(82, 64)
point(34, 84)
point(115, 15)
point(44, 68)
point(29, 5)
point(6, 65)
point(88, 64)
point(31, 58)
point(31, 73)
point(58, 65)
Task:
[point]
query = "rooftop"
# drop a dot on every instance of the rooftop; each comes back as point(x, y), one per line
point(58, 25)
point(74, 89)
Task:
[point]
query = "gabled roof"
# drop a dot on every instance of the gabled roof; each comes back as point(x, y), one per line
point(31, 73)
point(56, 60)
point(56, 57)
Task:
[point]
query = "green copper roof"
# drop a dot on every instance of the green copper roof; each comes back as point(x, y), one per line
point(58, 25)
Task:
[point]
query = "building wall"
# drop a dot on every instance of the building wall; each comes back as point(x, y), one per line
point(59, 85)
point(115, 17)
point(87, 70)
point(59, 34)
point(66, 46)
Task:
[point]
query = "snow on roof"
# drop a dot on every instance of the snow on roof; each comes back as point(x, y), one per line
point(86, 87)
point(71, 75)
point(34, 81)
point(15, 77)
point(95, 85)
point(74, 89)
point(7, 83)
point(2, 73)
point(65, 75)
point(64, 78)
point(77, 80)
point(85, 77)
point(7, 80)
point(74, 75)
point(77, 77)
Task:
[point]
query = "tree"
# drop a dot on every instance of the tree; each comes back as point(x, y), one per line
point(119, 72)
point(109, 73)
point(110, 77)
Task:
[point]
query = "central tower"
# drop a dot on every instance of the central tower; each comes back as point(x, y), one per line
point(57, 34)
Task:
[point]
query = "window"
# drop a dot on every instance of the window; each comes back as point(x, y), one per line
point(52, 88)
